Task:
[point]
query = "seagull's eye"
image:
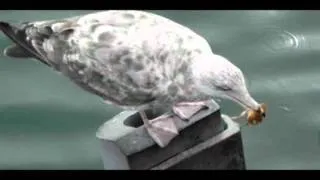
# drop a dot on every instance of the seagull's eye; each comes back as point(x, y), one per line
point(223, 88)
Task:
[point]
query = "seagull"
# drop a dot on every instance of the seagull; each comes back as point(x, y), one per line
point(135, 60)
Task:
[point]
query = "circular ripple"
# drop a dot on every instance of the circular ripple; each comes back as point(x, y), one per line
point(278, 40)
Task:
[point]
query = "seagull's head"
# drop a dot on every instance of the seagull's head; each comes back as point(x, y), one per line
point(219, 78)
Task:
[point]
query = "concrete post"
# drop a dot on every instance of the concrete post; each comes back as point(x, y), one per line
point(209, 140)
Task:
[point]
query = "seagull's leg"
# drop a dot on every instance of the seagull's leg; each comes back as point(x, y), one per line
point(185, 110)
point(161, 129)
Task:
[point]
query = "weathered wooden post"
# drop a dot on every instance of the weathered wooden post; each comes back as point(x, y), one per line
point(209, 140)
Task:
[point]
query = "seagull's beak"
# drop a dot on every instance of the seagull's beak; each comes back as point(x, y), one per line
point(246, 101)
point(262, 110)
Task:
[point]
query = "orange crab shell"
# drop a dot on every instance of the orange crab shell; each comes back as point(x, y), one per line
point(255, 117)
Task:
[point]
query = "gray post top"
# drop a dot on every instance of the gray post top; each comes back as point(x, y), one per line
point(133, 137)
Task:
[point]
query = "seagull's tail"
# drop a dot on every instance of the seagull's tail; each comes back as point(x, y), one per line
point(18, 36)
point(23, 47)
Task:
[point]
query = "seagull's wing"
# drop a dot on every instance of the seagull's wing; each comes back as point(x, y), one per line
point(30, 38)
point(105, 42)
point(69, 46)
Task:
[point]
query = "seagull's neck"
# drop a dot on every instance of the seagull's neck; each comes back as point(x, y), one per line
point(204, 68)
point(209, 64)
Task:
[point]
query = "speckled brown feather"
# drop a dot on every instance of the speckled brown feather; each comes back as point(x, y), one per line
point(133, 61)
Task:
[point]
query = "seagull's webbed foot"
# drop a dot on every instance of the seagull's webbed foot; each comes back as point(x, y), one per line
point(185, 110)
point(162, 129)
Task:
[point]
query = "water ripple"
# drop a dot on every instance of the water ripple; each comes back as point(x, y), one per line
point(277, 40)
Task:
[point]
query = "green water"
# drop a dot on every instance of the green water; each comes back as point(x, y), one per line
point(47, 122)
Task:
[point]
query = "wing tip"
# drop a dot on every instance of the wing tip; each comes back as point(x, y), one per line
point(16, 51)
point(4, 25)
